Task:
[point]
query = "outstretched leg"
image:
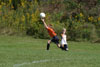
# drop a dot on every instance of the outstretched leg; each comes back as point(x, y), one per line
point(58, 45)
point(48, 44)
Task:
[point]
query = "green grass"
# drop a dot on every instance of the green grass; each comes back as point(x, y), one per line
point(25, 50)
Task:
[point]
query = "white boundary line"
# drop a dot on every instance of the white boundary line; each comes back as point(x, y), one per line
point(33, 62)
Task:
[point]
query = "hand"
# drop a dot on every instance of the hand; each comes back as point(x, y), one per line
point(42, 19)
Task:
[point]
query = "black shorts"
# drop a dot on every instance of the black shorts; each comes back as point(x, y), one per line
point(55, 39)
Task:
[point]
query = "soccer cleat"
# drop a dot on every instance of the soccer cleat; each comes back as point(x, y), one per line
point(67, 49)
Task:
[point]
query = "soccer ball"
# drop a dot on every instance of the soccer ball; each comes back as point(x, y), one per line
point(42, 15)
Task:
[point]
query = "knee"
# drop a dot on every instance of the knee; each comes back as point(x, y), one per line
point(58, 45)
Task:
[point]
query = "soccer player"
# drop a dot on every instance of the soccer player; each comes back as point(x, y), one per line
point(52, 34)
point(64, 44)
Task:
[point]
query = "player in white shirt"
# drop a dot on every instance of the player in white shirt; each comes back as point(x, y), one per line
point(64, 44)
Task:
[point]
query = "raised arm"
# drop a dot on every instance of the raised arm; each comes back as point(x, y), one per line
point(44, 23)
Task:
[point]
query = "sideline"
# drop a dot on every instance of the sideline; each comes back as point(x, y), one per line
point(33, 62)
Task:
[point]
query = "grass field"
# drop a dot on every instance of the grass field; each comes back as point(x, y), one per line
point(29, 52)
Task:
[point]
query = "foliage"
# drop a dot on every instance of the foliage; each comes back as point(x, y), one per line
point(78, 18)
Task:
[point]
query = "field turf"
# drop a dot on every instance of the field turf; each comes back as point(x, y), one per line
point(29, 52)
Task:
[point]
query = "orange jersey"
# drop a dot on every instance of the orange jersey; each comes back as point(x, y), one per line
point(51, 32)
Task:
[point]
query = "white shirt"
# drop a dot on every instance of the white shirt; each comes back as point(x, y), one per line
point(63, 40)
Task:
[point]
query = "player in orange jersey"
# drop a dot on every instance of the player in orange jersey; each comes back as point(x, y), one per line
point(52, 34)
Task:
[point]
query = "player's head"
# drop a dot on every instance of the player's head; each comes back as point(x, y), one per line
point(50, 25)
point(64, 30)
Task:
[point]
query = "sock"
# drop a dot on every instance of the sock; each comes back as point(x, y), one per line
point(65, 47)
point(61, 47)
point(48, 45)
